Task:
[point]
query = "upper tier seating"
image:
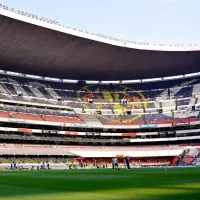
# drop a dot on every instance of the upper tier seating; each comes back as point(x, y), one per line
point(46, 118)
point(108, 117)
point(164, 118)
point(62, 119)
point(121, 120)
point(158, 118)
point(113, 100)
point(43, 89)
point(26, 116)
point(4, 115)
point(39, 114)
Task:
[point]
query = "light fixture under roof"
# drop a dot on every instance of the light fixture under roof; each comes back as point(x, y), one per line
point(110, 82)
point(70, 81)
point(151, 79)
point(172, 77)
point(92, 82)
point(131, 81)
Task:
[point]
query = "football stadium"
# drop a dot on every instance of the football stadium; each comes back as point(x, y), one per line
point(84, 116)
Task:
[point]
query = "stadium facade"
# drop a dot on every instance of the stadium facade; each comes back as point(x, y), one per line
point(67, 93)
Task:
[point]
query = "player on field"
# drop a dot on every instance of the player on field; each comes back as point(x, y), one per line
point(127, 162)
point(116, 163)
point(113, 163)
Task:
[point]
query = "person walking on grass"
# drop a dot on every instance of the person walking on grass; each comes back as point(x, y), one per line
point(113, 163)
point(116, 163)
point(127, 162)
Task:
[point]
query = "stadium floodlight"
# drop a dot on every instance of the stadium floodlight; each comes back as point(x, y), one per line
point(13, 73)
point(55, 79)
point(33, 76)
point(110, 82)
point(131, 81)
point(151, 79)
point(172, 77)
point(47, 78)
point(190, 75)
point(70, 81)
point(91, 82)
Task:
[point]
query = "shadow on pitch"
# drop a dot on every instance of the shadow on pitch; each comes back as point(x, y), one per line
point(30, 184)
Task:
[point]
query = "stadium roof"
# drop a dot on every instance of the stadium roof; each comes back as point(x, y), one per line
point(38, 47)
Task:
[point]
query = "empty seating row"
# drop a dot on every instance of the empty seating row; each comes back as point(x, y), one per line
point(41, 118)
point(44, 89)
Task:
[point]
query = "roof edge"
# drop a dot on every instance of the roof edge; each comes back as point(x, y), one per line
point(49, 24)
point(94, 82)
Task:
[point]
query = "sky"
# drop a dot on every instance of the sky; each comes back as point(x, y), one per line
point(150, 21)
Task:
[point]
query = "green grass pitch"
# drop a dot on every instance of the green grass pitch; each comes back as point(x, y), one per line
point(140, 184)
